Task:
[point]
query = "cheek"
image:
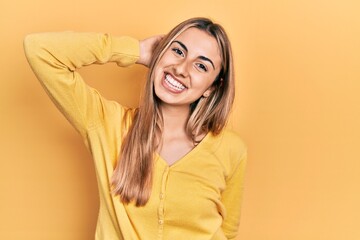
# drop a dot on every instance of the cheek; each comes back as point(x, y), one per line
point(205, 81)
point(164, 63)
point(158, 74)
point(165, 58)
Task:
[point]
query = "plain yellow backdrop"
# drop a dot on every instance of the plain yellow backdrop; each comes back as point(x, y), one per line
point(297, 108)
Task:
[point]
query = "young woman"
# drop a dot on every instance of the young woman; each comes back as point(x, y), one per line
point(167, 169)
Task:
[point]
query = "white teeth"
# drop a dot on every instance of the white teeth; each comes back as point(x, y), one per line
point(177, 85)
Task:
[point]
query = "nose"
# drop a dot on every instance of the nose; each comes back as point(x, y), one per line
point(181, 68)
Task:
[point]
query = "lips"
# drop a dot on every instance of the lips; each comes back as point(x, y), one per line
point(172, 84)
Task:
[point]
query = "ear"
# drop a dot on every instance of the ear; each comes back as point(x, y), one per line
point(212, 88)
point(208, 91)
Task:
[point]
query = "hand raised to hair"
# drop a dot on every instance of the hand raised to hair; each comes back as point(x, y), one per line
point(147, 47)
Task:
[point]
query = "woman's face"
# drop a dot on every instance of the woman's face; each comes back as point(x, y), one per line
point(187, 68)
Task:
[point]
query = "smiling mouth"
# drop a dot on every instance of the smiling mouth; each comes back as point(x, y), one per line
point(173, 84)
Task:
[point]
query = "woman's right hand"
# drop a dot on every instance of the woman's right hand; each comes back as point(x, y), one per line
point(147, 47)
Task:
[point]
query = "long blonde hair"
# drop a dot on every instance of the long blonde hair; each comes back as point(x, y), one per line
point(132, 177)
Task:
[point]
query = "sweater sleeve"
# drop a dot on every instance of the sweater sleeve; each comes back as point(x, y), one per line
point(232, 197)
point(54, 58)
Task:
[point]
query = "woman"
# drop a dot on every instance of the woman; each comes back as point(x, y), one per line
point(168, 169)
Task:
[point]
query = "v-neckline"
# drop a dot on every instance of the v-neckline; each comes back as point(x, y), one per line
point(187, 155)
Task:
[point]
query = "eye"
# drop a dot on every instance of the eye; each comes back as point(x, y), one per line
point(202, 67)
point(178, 51)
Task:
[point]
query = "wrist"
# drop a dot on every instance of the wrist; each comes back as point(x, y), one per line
point(142, 57)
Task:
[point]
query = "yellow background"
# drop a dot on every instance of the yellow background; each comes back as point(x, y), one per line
point(297, 108)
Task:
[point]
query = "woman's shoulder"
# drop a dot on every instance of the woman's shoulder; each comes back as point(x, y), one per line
point(228, 145)
point(232, 136)
point(231, 140)
point(229, 149)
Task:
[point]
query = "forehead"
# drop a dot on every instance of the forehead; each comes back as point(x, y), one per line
point(200, 43)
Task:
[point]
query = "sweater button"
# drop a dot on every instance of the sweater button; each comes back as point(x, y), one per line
point(161, 222)
point(161, 196)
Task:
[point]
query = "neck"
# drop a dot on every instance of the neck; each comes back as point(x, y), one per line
point(175, 118)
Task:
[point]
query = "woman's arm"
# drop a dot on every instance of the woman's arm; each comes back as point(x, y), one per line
point(54, 58)
point(232, 197)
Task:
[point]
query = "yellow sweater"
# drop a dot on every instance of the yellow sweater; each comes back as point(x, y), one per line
point(198, 197)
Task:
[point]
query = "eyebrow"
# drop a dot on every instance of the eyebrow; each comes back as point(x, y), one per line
point(201, 57)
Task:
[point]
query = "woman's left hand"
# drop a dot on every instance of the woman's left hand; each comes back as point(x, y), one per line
point(147, 47)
